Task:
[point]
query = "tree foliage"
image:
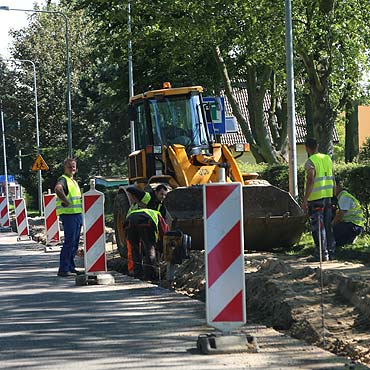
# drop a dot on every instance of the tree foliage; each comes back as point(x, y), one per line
point(220, 44)
point(332, 41)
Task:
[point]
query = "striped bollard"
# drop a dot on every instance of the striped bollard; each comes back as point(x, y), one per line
point(225, 281)
point(94, 231)
point(4, 212)
point(51, 219)
point(21, 219)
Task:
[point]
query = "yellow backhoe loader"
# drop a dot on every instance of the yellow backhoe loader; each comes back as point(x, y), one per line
point(171, 144)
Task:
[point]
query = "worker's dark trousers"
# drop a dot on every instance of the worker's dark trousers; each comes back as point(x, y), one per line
point(72, 230)
point(346, 233)
point(321, 211)
point(142, 239)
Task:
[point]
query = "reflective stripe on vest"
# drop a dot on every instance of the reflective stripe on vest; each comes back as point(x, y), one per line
point(323, 186)
point(73, 197)
point(355, 214)
point(152, 214)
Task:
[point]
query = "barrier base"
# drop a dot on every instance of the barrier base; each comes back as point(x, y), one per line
point(52, 248)
point(5, 229)
point(23, 238)
point(99, 279)
point(217, 344)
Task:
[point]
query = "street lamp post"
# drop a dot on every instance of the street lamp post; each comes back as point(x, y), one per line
point(68, 72)
point(293, 183)
point(4, 152)
point(130, 73)
point(37, 122)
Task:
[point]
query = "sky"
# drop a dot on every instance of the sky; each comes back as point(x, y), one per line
point(13, 19)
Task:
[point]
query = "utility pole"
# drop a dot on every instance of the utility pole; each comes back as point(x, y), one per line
point(293, 183)
point(4, 151)
point(130, 73)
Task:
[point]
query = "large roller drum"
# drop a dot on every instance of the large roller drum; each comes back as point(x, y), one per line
point(272, 218)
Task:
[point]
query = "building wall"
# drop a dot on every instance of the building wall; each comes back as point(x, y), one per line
point(363, 123)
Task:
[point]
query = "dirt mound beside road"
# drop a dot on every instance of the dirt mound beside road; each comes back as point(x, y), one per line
point(285, 293)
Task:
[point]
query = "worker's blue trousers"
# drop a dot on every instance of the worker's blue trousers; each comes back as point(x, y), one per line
point(72, 230)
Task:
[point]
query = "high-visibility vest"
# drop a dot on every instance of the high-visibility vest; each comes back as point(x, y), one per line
point(154, 215)
point(74, 199)
point(143, 204)
point(323, 186)
point(146, 198)
point(355, 214)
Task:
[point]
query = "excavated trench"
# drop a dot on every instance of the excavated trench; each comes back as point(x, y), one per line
point(285, 293)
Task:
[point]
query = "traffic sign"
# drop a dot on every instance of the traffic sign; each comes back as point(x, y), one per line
point(40, 164)
point(216, 114)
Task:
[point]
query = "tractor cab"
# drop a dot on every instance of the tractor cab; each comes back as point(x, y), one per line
point(166, 117)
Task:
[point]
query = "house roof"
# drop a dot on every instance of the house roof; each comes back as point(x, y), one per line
point(242, 98)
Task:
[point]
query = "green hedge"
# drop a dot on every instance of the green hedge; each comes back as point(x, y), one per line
point(355, 178)
point(110, 195)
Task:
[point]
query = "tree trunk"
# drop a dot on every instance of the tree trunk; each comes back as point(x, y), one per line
point(351, 149)
point(323, 115)
point(256, 89)
point(256, 130)
point(235, 106)
point(309, 116)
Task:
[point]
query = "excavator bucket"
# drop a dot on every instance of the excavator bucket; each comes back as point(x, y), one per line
point(272, 218)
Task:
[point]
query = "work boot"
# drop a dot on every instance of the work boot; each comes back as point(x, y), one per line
point(65, 274)
point(77, 272)
point(317, 259)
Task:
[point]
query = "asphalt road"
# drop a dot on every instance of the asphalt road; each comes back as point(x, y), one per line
point(47, 322)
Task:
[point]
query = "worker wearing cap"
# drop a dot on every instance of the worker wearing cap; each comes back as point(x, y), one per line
point(319, 191)
point(349, 220)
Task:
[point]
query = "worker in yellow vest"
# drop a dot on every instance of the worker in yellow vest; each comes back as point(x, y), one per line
point(69, 210)
point(349, 219)
point(319, 191)
point(140, 199)
point(142, 227)
point(149, 199)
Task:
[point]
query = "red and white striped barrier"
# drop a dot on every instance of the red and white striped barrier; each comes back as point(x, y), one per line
point(94, 231)
point(21, 219)
point(4, 212)
point(51, 220)
point(224, 246)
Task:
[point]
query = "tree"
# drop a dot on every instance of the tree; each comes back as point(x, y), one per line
point(193, 43)
point(97, 115)
point(331, 38)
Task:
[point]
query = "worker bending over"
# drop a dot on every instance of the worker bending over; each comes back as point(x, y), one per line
point(140, 199)
point(145, 199)
point(142, 234)
point(349, 220)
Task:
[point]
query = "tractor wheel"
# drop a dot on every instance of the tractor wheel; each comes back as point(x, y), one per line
point(120, 208)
